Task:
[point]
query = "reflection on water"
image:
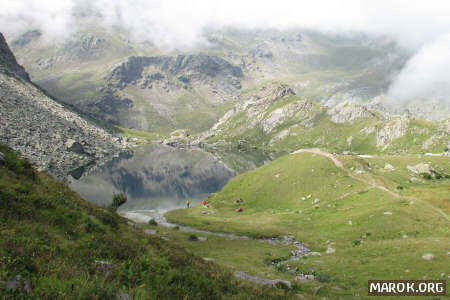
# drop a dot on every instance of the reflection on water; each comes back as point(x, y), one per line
point(155, 177)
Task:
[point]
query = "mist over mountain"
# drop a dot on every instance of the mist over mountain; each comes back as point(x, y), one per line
point(420, 28)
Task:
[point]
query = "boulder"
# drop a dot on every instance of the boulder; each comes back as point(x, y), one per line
point(18, 283)
point(330, 250)
point(302, 278)
point(263, 281)
point(428, 256)
point(421, 168)
point(75, 146)
point(123, 296)
point(105, 267)
point(389, 167)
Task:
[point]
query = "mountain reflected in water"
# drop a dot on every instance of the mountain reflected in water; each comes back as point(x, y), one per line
point(155, 177)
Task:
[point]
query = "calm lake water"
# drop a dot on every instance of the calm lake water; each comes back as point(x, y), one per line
point(155, 178)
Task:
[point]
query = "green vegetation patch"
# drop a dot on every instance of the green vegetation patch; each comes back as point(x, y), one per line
point(361, 231)
point(66, 248)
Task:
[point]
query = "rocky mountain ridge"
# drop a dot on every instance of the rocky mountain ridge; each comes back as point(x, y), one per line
point(137, 85)
point(275, 118)
point(177, 71)
point(52, 136)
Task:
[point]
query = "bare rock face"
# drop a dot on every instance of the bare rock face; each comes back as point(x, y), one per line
point(392, 130)
point(8, 63)
point(179, 71)
point(280, 115)
point(53, 137)
point(25, 38)
point(255, 107)
point(347, 112)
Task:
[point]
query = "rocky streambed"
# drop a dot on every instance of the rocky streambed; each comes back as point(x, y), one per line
point(301, 249)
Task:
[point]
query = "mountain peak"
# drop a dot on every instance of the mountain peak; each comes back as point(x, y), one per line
point(8, 62)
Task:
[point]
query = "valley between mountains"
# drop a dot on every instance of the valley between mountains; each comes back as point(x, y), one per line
point(304, 178)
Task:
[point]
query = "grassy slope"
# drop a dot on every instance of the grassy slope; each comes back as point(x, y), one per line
point(52, 237)
point(326, 134)
point(371, 247)
point(230, 252)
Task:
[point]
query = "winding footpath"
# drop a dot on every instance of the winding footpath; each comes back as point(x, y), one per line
point(340, 165)
point(370, 181)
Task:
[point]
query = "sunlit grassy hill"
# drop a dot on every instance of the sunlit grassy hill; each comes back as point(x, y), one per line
point(365, 220)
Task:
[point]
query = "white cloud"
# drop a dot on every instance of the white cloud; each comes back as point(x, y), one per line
point(427, 74)
point(420, 26)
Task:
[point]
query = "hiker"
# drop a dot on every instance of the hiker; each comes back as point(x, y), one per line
point(188, 203)
point(205, 205)
point(239, 210)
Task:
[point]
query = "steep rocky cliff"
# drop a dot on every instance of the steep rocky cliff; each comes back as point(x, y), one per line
point(177, 71)
point(52, 136)
point(8, 63)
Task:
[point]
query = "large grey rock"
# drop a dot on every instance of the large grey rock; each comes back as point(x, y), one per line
point(105, 267)
point(428, 256)
point(421, 168)
point(18, 283)
point(75, 147)
point(263, 281)
point(123, 296)
point(302, 278)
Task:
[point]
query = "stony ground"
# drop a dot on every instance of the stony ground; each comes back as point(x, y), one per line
point(51, 136)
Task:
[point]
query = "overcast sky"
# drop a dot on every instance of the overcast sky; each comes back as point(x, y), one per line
point(423, 26)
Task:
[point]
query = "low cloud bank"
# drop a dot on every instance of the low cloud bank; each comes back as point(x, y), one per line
point(422, 27)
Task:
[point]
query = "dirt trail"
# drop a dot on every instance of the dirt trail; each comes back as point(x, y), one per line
point(370, 181)
point(340, 165)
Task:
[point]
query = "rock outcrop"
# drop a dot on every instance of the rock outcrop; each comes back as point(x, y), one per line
point(8, 63)
point(179, 71)
point(256, 106)
point(348, 112)
point(52, 136)
point(391, 130)
point(25, 38)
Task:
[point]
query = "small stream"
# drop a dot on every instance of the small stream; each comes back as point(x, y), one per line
point(143, 216)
